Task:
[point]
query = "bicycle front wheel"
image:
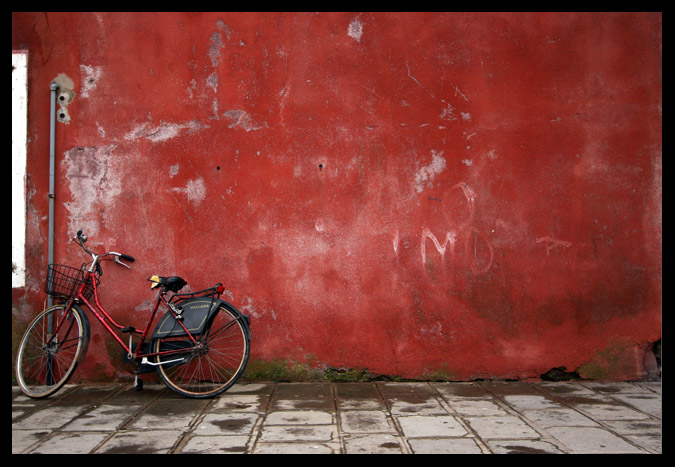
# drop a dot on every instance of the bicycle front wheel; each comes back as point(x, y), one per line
point(50, 350)
point(211, 366)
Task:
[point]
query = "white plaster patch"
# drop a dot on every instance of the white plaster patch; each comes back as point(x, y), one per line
point(92, 180)
point(242, 119)
point(448, 112)
point(90, 77)
point(195, 190)
point(214, 50)
point(163, 131)
point(426, 174)
point(355, 30)
point(212, 81)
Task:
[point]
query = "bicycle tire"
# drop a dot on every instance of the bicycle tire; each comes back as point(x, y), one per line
point(211, 366)
point(42, 368)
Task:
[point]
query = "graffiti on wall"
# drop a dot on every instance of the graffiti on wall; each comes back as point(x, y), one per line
point(465, 231)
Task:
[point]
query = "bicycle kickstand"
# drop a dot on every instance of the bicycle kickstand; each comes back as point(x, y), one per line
point(138, 383)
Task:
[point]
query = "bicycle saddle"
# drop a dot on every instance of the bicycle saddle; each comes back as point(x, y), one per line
point(172, 283)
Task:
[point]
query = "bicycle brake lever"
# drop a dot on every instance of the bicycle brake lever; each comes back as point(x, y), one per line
point(117, 260)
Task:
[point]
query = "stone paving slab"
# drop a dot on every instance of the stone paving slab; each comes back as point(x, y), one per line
point(502, 427)
point(646, 403)
point(523, 446)
point(215, 444)
point(426, 426)
point(343, 418)
point(291, 433)
point(558, 417)
point(141, 442)
point(48, 418)
point(476, 407)
point(590, 440)
point(411, 399)
point(299, 417)
point(444, 446)
point(235, 423)
point(365, 421)
point(103, 418)
point(71, 443)
point(377, 443)
point(297, 448)
point(611, 412)
point(240, 403)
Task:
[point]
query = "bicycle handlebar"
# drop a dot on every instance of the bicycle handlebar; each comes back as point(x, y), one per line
point(127, 257)
point(80, 239)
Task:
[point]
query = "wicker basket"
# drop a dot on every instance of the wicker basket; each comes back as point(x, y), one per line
point(63, 282)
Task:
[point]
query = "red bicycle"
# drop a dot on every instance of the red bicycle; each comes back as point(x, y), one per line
point(199, 347)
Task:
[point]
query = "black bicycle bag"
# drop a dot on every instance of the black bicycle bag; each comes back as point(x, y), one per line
point(194, 313)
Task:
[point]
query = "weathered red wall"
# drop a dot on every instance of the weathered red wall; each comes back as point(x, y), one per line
point(425, 195)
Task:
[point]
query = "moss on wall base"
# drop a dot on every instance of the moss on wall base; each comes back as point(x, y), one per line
point(620, 361)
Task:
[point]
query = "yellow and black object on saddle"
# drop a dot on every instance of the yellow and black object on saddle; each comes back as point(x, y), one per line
point(171, 283)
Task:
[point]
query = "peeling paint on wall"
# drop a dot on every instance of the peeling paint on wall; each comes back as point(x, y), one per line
point(90, 75)
point(355, 30)
point(164, 131)
point(216, 41)
point(93, 182)
point(425, 176)
point(241, 118)
point(194, 190)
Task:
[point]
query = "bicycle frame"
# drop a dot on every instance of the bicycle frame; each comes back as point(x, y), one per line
point(103, 316)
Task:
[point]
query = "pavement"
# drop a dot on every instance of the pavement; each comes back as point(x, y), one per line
point(320, 418)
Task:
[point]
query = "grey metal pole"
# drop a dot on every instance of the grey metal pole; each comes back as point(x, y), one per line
point(52, 144)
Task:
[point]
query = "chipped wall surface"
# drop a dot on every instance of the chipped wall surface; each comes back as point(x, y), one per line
point(472, 194)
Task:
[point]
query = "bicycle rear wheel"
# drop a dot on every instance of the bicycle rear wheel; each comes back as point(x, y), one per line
point(211, 366)
point(50, 350)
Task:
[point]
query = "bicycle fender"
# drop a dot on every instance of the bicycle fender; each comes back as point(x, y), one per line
point(197, 314)
point(194, 314)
